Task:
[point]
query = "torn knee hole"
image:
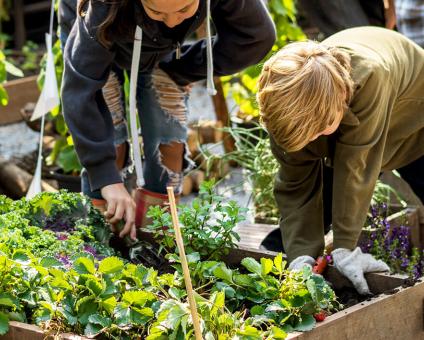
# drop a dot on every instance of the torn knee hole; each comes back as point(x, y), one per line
point(170, 96)
point(172, 155)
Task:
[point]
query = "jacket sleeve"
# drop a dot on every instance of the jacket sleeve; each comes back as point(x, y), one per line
point(245, 34)
point(359, 156)
point(298, 193)
point(86, 68)
point(67, 14)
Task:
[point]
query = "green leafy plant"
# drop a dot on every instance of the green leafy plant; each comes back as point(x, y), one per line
point(207, 224)
point(108, 297)
point(5, 68)
point(31, 56)
point(4, 16)
point(272, 294)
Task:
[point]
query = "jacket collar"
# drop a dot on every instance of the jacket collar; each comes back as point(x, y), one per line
point(349, 118)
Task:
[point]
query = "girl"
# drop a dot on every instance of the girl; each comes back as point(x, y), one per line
point(355, 103)
point(103, 36)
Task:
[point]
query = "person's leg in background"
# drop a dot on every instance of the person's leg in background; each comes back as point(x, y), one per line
point(162, 107)
point(413, 174)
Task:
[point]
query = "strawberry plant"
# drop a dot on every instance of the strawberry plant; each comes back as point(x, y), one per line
point(55, 274)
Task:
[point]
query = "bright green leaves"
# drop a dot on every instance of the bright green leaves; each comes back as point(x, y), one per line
point(6, 67)
point(127, 316)
point(84, 265)
point(49, 262)
point(266, 265)
point(279, 263)
point(252, 265)
point(21, 256)
point(111, 265)
point(108, 304)
point(95, 286)
point(223, 273)
point(138, 298)
point(7, 300)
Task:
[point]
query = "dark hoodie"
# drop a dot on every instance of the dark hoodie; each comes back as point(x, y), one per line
point(245, 34)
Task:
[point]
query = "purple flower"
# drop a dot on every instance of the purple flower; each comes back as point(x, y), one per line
point(405, 263)
point(64, 259)
point(90, 249)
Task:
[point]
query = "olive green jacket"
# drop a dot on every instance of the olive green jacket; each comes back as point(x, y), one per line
point(383, 129)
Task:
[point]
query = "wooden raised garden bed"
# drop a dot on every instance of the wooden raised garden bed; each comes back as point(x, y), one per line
point(21, 91)
point(396, 311)
point(391, 317)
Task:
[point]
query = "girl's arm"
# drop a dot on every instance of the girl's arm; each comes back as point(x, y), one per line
point(86, 68)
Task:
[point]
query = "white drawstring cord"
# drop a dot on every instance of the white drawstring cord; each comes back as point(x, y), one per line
point(133, 110)
point(210, 85)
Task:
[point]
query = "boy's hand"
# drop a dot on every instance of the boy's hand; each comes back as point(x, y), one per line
point(354, 264)
point(120, 206)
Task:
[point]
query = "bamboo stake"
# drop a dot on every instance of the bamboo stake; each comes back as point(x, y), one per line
point(186, 272)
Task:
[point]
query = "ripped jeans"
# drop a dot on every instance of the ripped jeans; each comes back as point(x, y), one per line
point(162, 108)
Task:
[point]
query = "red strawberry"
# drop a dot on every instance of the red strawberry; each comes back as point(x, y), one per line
point(319, 317)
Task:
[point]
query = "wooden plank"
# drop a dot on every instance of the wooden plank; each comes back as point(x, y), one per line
point(222, 114)
point(24, 331)
point(21, 91)
point(378, 283)
point(398, 317)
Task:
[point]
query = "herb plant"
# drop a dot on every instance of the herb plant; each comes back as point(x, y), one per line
point(207, 224)
point(253, 153)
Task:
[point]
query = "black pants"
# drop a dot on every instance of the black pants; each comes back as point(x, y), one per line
point(412, 173)
point(332, 16)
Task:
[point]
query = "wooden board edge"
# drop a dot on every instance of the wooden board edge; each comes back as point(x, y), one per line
point(362, 308)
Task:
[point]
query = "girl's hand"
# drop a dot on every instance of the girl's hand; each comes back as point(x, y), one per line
point(120, 206)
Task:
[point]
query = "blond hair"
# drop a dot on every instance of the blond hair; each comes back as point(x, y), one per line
point(302, 89)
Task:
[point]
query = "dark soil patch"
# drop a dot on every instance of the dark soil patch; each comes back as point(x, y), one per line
point(349, 297)
point(141, 252)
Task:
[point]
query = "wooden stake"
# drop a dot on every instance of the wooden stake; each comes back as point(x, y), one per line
point(186, 272)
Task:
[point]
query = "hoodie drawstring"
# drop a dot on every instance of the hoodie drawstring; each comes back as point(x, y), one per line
point(209, 53)
point(135, 64)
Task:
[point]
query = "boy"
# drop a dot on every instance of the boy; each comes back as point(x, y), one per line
point(354, 102)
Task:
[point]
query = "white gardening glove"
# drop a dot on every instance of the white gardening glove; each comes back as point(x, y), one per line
point(299, 262)
point(354, 264)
